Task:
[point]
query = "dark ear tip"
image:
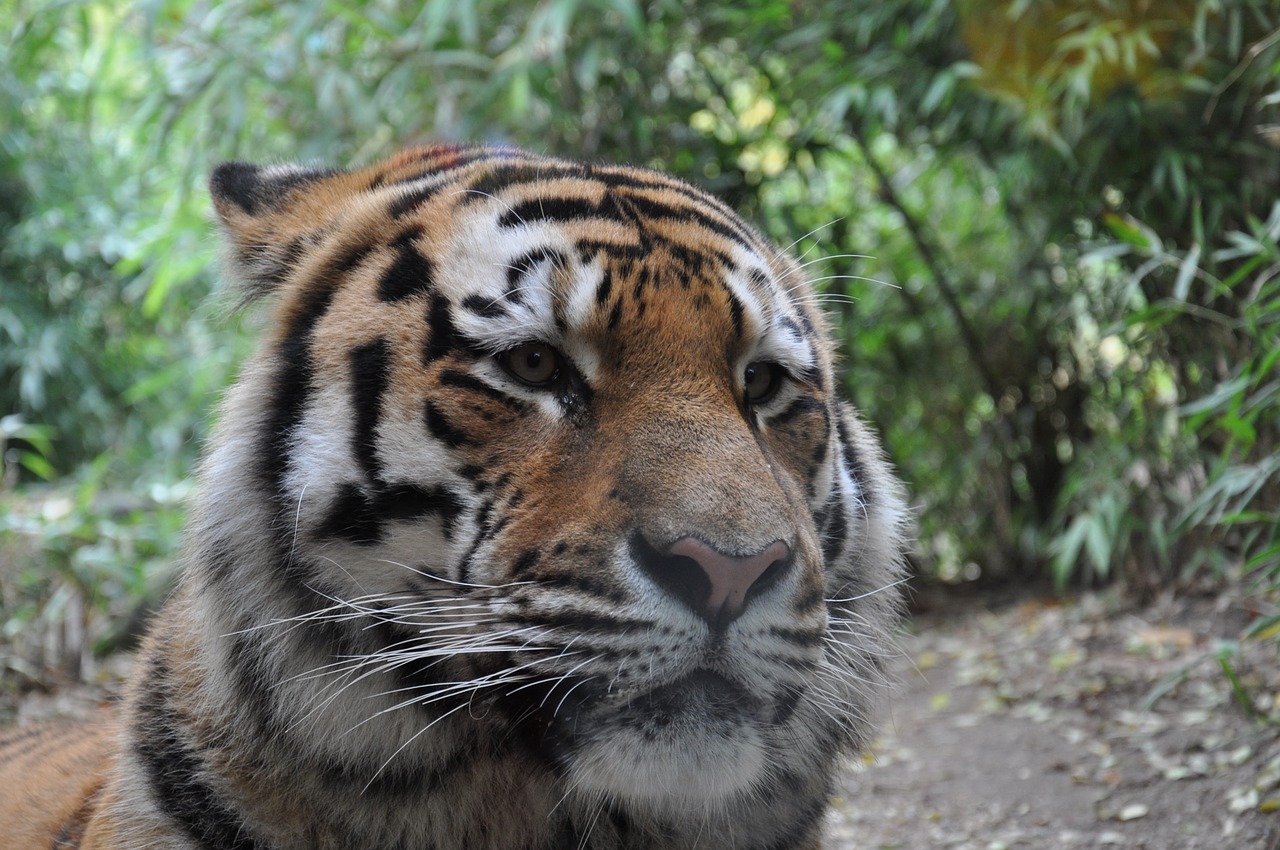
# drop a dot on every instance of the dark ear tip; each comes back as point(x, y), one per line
point(257, 189)
point(237, 182)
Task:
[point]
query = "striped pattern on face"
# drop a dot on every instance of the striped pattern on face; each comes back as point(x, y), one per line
point(541, 461)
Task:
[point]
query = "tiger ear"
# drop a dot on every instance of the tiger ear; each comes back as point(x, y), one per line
point(257, 189)
point(268, 214)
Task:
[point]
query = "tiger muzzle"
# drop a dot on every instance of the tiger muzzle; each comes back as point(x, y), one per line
point(714, 585)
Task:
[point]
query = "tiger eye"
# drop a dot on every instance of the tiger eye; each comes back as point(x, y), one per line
point(760, 381)
point(533, 363)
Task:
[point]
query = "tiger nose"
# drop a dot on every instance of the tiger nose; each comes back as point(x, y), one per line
point(714, 585)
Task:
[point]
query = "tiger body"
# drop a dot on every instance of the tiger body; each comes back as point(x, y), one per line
point(535, 523)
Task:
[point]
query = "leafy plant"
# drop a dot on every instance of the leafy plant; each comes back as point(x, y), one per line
point(1045, 231)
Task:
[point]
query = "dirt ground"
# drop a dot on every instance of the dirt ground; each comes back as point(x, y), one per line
point(1039, 725)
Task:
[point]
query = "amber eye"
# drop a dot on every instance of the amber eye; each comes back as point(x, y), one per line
point(534, 363)
point(761, 381)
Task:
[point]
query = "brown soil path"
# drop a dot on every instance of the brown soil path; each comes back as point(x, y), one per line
point(1024, 728)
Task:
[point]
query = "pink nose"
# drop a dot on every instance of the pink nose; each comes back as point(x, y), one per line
point(732, 579)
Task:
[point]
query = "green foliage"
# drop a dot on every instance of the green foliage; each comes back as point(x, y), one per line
point(1046, 230)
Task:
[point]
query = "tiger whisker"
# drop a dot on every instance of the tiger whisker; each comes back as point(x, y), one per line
point(881, 589)
point(453, 582)
point(863, 278)
point(787, 250)
point(402, 747)
point(826, 258)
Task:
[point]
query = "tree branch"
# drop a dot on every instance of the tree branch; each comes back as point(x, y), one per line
point(973, 344)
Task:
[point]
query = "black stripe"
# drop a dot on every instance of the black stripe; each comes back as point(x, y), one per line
point(696, 261)
point(814, 598)
point(306, 587)
point(799, 637)
point(412, 199)
point(655, 209)
point(216, 559)
point(177, 773)
point(483, 533)
point(471, 472)
point(489, 308)
point(252, 682)
point(605, 287)
point(637, 182)
point(370, 375)
point(584, 621)
point(409, 274)
point(402, 502)
point(515, 499)
point(361, 518)
point(353, 517)
point(21, 743)
point(852, 461)
point(644, 180)
point(441, 162)
point(442, 335)
point(503, 174)
point(582, 583)
point(588, 248)
point(643, 278)
point(526, 561)
point(524, 265)
point(346, 260)
point(760, 280)
point(834, 530)
point(736, 311)
point(550, 209)
point(799, 406)
point(70, 835)
point(462, 380)
point(807, 324)
point(442, 429)
point(291, 387)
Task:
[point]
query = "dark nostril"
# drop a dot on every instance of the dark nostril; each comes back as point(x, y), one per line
point(714, 585)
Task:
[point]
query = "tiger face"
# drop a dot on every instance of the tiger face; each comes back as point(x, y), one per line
point(547, 456)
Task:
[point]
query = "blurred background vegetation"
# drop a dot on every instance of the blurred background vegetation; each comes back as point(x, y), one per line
point(1050, 231)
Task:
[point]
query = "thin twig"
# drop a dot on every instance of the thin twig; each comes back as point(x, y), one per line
point(1252, 53)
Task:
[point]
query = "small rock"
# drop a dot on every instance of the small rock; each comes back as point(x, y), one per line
point(1133, 812)
point(1242, 800)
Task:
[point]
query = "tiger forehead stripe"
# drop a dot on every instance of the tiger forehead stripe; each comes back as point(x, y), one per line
point(630, 205)
point(628, 196)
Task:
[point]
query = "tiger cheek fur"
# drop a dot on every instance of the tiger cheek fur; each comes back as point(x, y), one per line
point(536, 523)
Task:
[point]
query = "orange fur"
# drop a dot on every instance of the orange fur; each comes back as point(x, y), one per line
point(431, 603)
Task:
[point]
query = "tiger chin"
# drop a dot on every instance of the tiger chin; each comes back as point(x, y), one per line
point(535, 522)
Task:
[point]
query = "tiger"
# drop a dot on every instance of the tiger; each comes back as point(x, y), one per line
point(536, 521)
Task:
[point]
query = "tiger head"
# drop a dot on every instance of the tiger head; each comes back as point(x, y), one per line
point(551, 448)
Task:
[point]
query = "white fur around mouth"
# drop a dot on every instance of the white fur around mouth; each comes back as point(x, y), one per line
point(694, 747)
